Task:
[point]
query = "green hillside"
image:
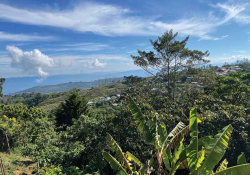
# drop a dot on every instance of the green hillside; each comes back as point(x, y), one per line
point(68, 86)
point(91, 94)
point(52, 100)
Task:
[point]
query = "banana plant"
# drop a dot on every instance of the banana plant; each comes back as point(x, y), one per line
point(155, 133)
point(123, 163)
point(202, 161)
point(200, 156)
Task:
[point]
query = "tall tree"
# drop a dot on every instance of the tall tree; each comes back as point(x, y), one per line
point(171, 56)
point(2, 80)
point(73, 107)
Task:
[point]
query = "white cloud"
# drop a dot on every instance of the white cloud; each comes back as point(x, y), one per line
point(88, 17)
point(110, 20)
point(237, 12)
point(75, 60)
point(32, 62)
point(104, 57)
point(71, 64)
point(239, 57)
point(23, 37)
point(228, 59)
point(225, 36)
point(96, 63)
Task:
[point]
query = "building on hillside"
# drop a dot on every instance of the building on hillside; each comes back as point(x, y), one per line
point(223, 71)
point(115, 104)
point(118, 95)
point(189, 79)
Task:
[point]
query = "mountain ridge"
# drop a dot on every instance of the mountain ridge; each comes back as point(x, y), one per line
point(63, 87)
point(17, 84)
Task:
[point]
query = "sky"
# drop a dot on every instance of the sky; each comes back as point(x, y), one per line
point(58, 37)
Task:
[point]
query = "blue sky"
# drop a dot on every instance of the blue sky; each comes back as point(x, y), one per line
point(51, 37)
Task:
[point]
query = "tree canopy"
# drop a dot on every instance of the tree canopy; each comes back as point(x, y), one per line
point(170, 57)
point(73, 107)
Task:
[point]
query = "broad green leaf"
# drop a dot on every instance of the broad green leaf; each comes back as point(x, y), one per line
point(193, 149)
point(137, 114)
point(235, 170)
point(222, 166)
point(162, 132)
point(204, 142)
point(118, 152)
point(193, 120)
point(115, 165)
point(198, 162)
point(178, 150)
point(200, 159)
point(241, 159)
point(175, 163)
point(140, 120)
point(157, 139)
point(131, 157)
point(179, 127)
point(215, 150)
point(172, 138)
point(142, 169)
point(166, 160)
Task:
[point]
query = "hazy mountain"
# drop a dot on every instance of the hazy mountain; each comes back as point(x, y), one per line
point(18, 84)
point(68, 86)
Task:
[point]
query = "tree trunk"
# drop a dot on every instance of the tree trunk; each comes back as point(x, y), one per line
point(174, 79)
point(7, 140)
point(169, 88)
point(2, 167)
point(38, 167)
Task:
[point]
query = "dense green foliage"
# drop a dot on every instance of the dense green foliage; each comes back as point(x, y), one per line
point(200, 157)
point(220, 100)
point(66, 134)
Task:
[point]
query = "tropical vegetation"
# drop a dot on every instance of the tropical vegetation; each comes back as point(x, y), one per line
point(137, 125)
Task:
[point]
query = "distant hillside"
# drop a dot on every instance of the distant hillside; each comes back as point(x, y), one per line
point(17, 84)
point(51, 100)
point(68, 86)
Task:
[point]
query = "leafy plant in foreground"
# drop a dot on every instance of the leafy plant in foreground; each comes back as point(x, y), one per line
point(154, 134)
point(205, 153)
point(201, 156)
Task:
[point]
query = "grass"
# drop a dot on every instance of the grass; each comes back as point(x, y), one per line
point(15, 164)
